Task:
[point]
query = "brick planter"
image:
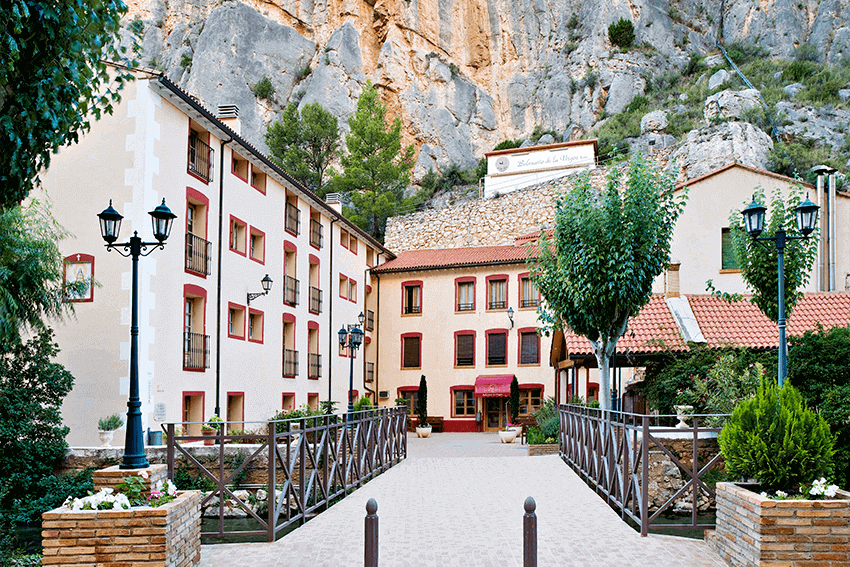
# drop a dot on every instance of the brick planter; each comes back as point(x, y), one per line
point(755, 531)
point(168, 536)
point(543, 449)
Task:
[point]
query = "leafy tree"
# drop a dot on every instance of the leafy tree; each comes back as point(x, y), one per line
point(376, 170)
point(52, 81)
point(31, 266)
point(758, 262)
point(607, 248)
point(305, 144)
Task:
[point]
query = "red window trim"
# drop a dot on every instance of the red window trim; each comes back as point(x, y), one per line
point(311, 395)
point(343, 277)
point(251, 177)
point(252, 311)
point(231, 305)
point(347, 237)
point(353, 394)
point(288, 318)
point(316, 213)
point(354, 299)
point(474, 344)
point(192, 174)
point(498, 277)
point(466, 279)
point(283, 399)
point(401, 389)
point(353, 249)
point(192, 290)
point(487, 334)
point(251, 231)
point(197, 198)
point(452, 391)
point(297, 208)
point(367, 340)
point(519, 289)
point(534, 386)
point(410, 283)
point(313, 325)
point(77, 258)
point(519, 333)
point(245, 242)
point(193, 393)
point(407, 336)
point(233, 156)
point(343, 352)
point(229, 418)
point(313, 261)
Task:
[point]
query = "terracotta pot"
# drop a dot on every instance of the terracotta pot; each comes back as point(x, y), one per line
point(208, 433)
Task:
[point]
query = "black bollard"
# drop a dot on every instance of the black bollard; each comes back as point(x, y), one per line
point(370, 553)
point(529, 534)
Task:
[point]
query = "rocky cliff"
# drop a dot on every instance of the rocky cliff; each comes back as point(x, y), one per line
point(461, 74)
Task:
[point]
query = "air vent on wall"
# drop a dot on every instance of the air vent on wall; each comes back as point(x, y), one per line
point(384, 394)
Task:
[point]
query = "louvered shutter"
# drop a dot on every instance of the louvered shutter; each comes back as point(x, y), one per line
point(529, 348)
point(411, 352)
point(496, 348)
point(465, 350)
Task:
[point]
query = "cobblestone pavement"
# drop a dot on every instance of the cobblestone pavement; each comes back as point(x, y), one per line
point(457, 500)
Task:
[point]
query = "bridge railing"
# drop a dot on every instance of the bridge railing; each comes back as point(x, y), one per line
point(610, 450)
point(309, 462)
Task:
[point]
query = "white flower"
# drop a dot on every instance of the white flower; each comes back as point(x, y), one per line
point(831, 491)
point(781, 494)
point(172, 490)
point(143, 474)
point(764, 494)
point(158, 486)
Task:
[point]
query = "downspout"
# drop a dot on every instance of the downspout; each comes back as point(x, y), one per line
point(366, 272)
point(377, 327)
point(218, 278)
point(832, 231)
point(331, 332)
point(819, 191)
point(366, 313)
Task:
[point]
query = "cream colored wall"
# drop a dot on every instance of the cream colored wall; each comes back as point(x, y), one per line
point(438, 323)
point(696, 240)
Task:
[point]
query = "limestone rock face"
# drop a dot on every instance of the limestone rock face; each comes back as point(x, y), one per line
point(718, 79)
point(730, 104)
point(708, 148)
point(655, 121)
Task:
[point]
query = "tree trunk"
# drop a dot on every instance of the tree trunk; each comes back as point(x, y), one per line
point(603, 349)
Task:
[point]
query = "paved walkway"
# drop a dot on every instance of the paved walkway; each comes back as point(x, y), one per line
point(457, 501)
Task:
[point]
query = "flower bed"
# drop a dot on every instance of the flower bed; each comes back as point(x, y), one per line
point(755, 530)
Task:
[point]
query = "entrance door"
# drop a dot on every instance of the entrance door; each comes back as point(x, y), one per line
point(495, 413)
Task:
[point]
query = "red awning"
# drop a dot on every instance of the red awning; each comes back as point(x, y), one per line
point(493, 386)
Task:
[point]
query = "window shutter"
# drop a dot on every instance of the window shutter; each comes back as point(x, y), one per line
point(465, 350)
point(411, 352)
point(727, 261)
point(496, 347)
point(529, 348)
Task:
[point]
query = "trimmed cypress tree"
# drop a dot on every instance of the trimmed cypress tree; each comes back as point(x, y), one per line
point(422, 402)
point(514, 400)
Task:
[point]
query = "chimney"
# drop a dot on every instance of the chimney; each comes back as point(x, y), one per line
point(671, 281)
point(332, 199)
point(229, 115)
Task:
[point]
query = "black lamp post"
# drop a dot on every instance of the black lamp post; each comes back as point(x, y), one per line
point(806, 214)
point(110, 225)
point(351, 339)
point(266, 282)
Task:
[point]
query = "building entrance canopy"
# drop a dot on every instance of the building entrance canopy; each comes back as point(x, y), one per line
point(493, 386)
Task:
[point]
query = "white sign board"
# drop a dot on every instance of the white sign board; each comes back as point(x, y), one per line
point(159, 412)
point(542, 159)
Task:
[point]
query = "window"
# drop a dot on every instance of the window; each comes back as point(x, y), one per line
point(352, 245)
point(288, 402)
point(200, 159)
point(370, 257)
point(255, 326)
point(193, 411)
point(410, 395)
point(317, 237)
point(291, 286)
point(80, 268)
point(239, 167)
point(464, 402)
point(529, 346)
point(235, 321)
point(497, 348)
point(198, 250)
point(196, 345)
point(352, 291)
point(465, 348)
point(238, 232)
point(290, 355)
point(727, 253)
point(235, 411)
point(293, 216)
point(529, 400)
point(497, 292)
point(313, 400)
point(411, 350)
point(528, 296)
point(314, 359)
point(412, 298)
point(315, 292)
point(343, 286)
point(343, 238)
point(258, 180)
point(257, 245)
point(465, 293)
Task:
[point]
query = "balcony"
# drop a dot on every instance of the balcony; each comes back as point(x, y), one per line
point(496, 360)
point(293, 219)
point(370, 320)
point(196, 351)
point(370, 372)
point(412, 309)
point(316, 237)
point(314, 366)
point(497, 304)
point(290, 363)
point(198, 255)
point(315, 300)
point(465, 306)
point(291, 293)
point(200, 158)
point(529, 303)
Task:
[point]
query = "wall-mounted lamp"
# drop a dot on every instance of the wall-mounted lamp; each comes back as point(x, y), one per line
point(511, 316)
point(267, 286)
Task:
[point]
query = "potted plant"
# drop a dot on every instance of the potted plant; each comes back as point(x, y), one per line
point(106, 427)
point(211, 429)
point(422, 429)
point(508, 434)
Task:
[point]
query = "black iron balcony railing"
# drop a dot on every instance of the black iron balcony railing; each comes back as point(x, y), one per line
point(290, 363)
point(196, 351)
point(198, 259)
point(293, 219)
point(466, 360)
point(465, 306)
point(496, 359)
point(370, 371)
point(497, 305)
point(315, 300)
point(291, 292)
point(314, 366)
point(370, 320)
point(529, 303)
point(200, 158)
point(408, 309)
point(317, 239)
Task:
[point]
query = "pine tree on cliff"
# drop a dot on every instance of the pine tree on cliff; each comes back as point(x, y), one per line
point(376, 169)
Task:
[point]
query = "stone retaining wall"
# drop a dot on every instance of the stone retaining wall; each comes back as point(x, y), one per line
point(543, 449)
point(755, 531)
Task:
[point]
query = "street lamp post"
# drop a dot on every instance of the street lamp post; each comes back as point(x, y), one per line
point(351, 339)
point(110, 226)
point(806, 214)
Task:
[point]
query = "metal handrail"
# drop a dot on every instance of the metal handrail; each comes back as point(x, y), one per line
point(198, 254)
point(200, 158)
point(290, 363)
point(196, 351)
point(317, 238)
point(291, 291)
point(314, 365)
point(315, 300)
point(293, 219)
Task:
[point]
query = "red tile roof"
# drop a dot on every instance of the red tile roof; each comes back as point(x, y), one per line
point(742, 324)
point(728, 166)
point(653, 330)
point(436, 258)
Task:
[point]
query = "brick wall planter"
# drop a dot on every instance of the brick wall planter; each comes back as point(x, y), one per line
point(543, 449)
point(756, 531)
point(168, 536)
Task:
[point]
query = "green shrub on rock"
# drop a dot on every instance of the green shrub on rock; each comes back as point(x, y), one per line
point(622, 33)
point(776, 440)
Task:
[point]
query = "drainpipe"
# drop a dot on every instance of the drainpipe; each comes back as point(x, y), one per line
point(331, 330)
point(832, 231)
point(819, 190)
point(218, 278)
point(365, 311)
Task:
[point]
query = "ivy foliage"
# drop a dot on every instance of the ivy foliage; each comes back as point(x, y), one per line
point(52, 81)
point(775, 439)
point(758, 260)
point(608, 246)
point(305, 144)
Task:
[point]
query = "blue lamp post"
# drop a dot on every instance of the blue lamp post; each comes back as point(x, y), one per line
point(351, 339)
point(110, 226)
